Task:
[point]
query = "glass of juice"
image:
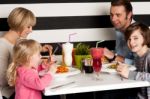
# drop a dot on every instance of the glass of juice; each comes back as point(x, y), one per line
point(96, 54)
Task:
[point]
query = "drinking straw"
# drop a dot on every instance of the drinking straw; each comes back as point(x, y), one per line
point(59, 45)
point(55, 50)
point(99, 42)
point(71, 35)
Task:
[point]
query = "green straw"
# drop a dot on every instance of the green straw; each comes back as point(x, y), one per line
point(99, 42)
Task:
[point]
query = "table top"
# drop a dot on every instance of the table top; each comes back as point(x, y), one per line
point(82, 82)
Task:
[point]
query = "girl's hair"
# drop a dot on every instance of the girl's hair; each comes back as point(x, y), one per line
point(144, 30)
point(20, 18)
point(22, 52)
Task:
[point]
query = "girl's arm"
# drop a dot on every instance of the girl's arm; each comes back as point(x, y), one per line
point(32, 80)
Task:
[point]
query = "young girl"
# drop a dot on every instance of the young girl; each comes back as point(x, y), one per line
point(23, 71)
point(138, 40)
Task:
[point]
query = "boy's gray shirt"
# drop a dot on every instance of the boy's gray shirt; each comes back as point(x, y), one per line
point(142, 73)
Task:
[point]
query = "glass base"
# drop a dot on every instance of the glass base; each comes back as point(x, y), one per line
point(96, 76)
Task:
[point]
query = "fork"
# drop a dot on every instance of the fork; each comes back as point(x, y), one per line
point(117, 63)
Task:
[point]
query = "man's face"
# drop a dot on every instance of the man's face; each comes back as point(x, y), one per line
point(119, 17)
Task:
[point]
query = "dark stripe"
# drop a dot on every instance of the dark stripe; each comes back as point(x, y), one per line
point(46, 23)
point(110, 44)
point(75, 22)
point(143, 18)
point(57, 1)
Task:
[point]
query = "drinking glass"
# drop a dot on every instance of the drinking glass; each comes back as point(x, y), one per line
point(96, 54)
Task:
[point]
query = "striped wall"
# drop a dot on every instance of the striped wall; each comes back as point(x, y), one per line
point(56, 19)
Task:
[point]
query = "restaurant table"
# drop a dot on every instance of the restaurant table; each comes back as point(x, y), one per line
point(82, 82)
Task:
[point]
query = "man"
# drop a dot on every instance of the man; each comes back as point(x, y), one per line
point(121, 17)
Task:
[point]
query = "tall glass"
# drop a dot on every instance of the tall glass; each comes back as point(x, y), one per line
point(96, 54)
point(67, 52)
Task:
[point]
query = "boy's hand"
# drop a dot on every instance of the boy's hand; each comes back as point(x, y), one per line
point(123, 70)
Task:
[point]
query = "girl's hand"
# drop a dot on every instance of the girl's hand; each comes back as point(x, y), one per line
point(123, 70)
point(52, 69)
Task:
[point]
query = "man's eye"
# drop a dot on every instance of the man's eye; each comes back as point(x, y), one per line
point(118, 15)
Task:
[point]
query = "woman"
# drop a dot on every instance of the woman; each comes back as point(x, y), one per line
point(20, 21)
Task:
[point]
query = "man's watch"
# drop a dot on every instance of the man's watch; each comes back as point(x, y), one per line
point(115, 55)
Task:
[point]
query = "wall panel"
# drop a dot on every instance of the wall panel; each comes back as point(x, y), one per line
point(56, 19)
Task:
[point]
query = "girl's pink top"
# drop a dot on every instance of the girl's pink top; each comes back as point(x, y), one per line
point(29, 85)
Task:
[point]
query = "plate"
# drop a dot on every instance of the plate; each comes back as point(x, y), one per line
point(72, 71)
point(109, 70)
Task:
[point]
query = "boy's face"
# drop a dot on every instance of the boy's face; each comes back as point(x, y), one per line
point(135, 42)
point(119, 17)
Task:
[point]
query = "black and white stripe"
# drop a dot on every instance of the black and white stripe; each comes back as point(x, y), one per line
point(56, 19)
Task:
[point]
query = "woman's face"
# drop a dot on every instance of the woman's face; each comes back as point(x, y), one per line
point(135, 41)
point(26, 31)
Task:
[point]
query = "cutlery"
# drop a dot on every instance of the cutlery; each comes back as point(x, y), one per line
point(49, 59)
point(55, 50)
point(117, 63)
point(66, 84)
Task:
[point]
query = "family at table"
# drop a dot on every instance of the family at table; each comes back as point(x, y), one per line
point(21, 63)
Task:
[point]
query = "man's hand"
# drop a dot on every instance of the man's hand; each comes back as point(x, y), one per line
point(109, 54)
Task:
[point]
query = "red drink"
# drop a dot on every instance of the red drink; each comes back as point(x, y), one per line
point(97, 53)
point(97, 64)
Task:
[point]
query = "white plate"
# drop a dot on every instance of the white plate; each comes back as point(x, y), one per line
point(72, 71)
point(109, 70)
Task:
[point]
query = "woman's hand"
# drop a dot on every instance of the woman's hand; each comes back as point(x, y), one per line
point(47, 48)
point(123, 70)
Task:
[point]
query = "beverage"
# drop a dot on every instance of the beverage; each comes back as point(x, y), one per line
point(88, 69)
point(67, 53)
point(97, 64)
point(97, 53)
point(87, 65)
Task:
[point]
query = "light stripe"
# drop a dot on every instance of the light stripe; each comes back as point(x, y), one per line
point(56, 1)
point(72, 9)
point(62, 35)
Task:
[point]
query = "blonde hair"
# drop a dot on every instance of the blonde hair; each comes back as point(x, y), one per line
point(20, 18)
point(22, 52)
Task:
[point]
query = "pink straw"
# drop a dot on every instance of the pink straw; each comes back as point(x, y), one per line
point(71, 35)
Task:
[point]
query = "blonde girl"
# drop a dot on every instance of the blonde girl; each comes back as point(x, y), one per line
point(23, 71)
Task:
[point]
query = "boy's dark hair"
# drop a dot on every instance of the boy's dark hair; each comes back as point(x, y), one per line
point(144, 30)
